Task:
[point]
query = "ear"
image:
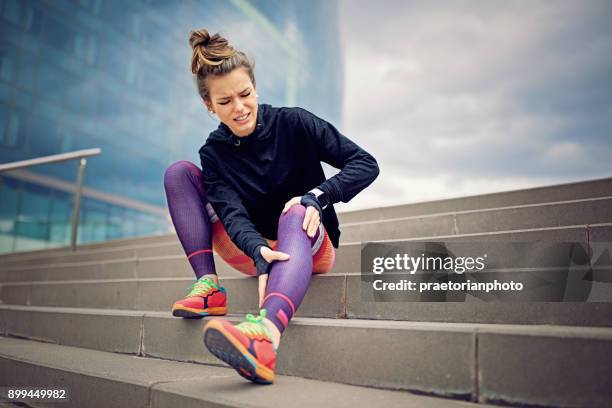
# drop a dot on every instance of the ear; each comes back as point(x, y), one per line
point(208, 106)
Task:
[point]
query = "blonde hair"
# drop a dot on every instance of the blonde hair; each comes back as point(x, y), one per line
point(213, 56)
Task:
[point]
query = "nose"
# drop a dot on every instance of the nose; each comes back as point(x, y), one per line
point(239, 105)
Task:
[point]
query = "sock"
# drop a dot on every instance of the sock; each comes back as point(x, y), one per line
point(275, 341)
point(187, 203)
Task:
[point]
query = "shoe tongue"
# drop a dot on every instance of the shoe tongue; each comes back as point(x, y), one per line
point(207, 281)
point(202, 283)
point(256, 323)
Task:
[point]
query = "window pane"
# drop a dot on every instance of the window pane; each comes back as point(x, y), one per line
point(9, 201)
point(92, 225)
point(61, 217)
point(32, 227)
point(33, 218)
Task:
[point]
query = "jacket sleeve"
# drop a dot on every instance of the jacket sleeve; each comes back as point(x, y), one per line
point(358, 169)
point(229, 208)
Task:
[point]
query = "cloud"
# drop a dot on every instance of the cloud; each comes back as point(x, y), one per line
point(458, 98)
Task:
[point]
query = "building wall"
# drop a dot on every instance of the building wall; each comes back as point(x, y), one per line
point(115, 75)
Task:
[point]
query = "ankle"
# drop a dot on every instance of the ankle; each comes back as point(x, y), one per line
point(275, 334)
point(212, 276)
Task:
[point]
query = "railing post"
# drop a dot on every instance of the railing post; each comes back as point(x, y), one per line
point(77, 203)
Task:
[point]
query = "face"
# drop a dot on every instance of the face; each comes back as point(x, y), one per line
point(232, 98)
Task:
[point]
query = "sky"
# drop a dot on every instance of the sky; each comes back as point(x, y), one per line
point(457, 98)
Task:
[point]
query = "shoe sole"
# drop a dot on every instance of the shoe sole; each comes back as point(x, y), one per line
point(227, 348)
point(190, 313)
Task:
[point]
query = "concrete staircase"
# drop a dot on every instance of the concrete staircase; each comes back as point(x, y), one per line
point(97, 321)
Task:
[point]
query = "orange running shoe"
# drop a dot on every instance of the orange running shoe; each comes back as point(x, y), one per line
point(247, 347)
point(206, 298)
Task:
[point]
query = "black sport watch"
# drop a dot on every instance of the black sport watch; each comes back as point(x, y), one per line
point(321, 197)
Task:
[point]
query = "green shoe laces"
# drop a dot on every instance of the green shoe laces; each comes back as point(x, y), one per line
point(257, 319)
point(254, 325)
point(202, 286)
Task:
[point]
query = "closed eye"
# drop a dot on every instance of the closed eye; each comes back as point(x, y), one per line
point(244, 95)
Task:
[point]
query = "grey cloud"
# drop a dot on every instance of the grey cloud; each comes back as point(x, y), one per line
point(512, 95)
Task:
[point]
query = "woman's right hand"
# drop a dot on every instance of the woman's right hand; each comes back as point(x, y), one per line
point(270, 256)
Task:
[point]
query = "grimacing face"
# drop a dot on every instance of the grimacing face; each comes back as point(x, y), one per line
point(233, 98)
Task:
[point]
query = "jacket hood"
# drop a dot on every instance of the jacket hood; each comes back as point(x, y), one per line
point(265, 119)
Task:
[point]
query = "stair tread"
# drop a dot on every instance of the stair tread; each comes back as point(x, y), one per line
point(204, 383)
point(518, 329)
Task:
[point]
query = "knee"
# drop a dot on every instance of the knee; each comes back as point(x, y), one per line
point(295, 213)
point(178, 171)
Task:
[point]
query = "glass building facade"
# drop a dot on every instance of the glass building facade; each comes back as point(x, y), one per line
point(115, 74)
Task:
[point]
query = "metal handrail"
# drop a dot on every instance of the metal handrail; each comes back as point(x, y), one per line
point(56, 158)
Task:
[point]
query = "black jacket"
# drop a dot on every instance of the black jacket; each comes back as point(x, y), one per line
point(249, 179)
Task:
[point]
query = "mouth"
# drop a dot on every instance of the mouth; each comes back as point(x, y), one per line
point(243, 119)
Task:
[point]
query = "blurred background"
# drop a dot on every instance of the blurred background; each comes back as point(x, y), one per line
point(453, 98)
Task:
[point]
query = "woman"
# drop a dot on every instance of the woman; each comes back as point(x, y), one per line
point(261, 200)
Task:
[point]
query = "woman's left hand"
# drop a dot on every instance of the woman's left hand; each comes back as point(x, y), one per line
point(312, 219)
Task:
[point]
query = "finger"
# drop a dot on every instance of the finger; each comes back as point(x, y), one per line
point(263, 283)
point(280, 256)
point(308, 217)
point(312, 227)
point(287, 206)
point(313, 222)
point(291, 203)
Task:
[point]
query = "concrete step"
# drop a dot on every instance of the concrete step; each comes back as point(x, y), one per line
point(102, 379)
point(160, 335)
point(581, 211)
point(330, 296)
point(98, 246)
point(347, 256)
point(136, 249)
point(537, 195)
point(538, 365)
point(578, 212)
point(325, 297)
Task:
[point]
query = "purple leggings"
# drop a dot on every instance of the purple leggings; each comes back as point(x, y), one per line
point(288, 280)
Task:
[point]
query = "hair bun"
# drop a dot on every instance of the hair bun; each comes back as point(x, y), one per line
point(199, 37)
point(208, 50)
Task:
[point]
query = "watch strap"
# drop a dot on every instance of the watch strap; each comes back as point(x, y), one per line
point(321, 197)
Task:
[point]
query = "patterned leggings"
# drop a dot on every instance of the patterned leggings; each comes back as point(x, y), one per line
point(200, 232)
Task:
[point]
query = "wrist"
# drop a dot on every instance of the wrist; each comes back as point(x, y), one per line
point(309, 200)
point(257, 252)
point(321, 196)
point(261, 265)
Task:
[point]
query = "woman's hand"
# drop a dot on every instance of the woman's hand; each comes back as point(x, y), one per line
point(312, 219)
point(311, 223)
point(270, 256)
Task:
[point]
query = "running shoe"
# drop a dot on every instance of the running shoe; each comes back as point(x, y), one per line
point(206, 298)
point(247, 347)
